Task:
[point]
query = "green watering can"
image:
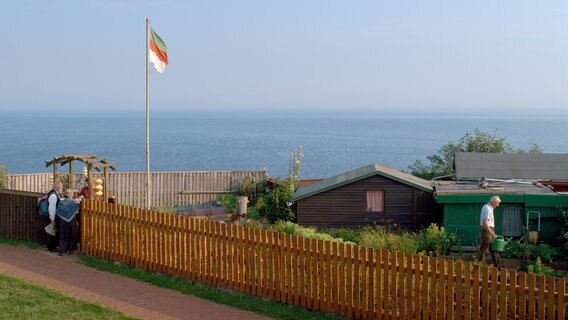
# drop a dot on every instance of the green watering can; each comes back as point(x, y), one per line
point(499, 243)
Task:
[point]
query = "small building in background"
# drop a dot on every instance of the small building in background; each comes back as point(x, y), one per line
point(549, 169)
point(526, 202)
point(370, 195)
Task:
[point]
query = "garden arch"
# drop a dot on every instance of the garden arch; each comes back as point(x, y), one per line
point(92, 162)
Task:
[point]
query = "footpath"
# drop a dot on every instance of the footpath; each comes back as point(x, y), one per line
point(131, 297)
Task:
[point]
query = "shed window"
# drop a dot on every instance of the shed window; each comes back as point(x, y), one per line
point(512, 221)
point(375, 200)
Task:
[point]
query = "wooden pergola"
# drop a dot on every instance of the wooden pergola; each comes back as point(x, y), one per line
point(92, 162)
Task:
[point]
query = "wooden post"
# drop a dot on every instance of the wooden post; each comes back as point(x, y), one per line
point(90, 177)
point(105, 185)
point(54, 172)
point(71, 176)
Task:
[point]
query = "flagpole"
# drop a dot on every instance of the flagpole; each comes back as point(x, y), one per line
point(148, 179)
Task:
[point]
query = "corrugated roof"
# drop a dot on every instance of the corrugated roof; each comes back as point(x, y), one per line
point(360, 174)
point(472, 187)
point(511, 165)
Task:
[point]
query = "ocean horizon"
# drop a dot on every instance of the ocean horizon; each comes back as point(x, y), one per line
point(216, 141)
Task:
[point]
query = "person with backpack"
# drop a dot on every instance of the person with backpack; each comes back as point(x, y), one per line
point(67, 211)
point(52, 203)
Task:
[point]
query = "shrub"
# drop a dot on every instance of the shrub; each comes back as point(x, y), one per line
point(274, 206)
point(228, 201)
point(543, 251)
point(382, 238)
point(513, 250)
point(251, 223)
point(246, 187)
point(307, 232)
point(252, 213)
point(436, 241)
point(351, 235)
point(539, 268)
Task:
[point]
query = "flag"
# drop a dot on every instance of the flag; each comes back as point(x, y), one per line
point(157, 51)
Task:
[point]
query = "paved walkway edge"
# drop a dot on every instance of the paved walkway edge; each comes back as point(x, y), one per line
point(82, 294)
point(129, 296)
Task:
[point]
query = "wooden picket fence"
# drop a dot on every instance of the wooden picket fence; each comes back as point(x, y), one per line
point(19, 219)
point(337, 278)
point(168, 188)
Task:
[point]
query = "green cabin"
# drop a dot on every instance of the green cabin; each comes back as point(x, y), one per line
point(462, 202)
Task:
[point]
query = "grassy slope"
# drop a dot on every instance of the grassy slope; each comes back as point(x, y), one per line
point(22, 300)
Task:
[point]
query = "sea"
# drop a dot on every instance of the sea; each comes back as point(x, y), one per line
point(187, 141)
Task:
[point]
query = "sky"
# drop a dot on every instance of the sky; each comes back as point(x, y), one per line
point(288, 56)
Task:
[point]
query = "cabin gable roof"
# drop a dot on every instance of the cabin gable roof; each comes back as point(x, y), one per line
point(360, 174)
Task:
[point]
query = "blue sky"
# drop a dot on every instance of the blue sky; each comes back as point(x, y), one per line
point(321, 56)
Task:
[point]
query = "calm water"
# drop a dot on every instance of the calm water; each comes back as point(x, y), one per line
point(331, 144)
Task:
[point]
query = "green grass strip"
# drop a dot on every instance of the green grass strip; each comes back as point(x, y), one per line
point(24, 243)
point(23, 300)
point(268, 308)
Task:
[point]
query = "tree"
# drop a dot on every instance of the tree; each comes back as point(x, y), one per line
point(442, 163)
point(3, 176)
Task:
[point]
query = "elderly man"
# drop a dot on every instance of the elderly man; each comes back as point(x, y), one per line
point(53, 201)
point(487, 223)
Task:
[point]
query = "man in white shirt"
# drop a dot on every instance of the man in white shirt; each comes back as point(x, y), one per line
point(487, 223)
point(52, 201)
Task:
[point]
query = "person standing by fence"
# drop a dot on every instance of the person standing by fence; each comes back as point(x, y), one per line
point(53, 202)
point(67, 226)
point(487, 223)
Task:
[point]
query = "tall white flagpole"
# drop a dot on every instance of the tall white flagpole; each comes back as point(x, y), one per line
point(148, 178)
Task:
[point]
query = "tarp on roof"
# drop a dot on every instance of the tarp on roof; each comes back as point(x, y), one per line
point(360, 174)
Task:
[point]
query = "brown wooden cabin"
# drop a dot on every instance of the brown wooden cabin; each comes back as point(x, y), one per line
point(370, 195)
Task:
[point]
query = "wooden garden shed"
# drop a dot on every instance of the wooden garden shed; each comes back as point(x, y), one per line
point(462, 202)
point(369, 195)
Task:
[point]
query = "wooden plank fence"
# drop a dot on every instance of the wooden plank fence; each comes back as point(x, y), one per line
point(19, 219)
point(337, 278)
point(168, 188)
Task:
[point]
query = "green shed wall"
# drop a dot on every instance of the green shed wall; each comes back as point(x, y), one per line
point(461, 214)
point(463, 219)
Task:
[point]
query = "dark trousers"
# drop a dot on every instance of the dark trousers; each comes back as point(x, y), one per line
point(67, 235)
point(52, 241)
point(486, 240)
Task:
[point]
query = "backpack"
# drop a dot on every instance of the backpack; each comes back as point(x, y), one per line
point(43, 204)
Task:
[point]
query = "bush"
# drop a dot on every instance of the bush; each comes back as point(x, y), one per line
point(252, 223)
point(543, 251)
point(513, 250)
point(539, 268)
point(351, 235)
point(436, 241)
point(382, 238)
point(307, 232)
point(228, 201)
point(246, 187)
point(253, 214)
point(274, 206)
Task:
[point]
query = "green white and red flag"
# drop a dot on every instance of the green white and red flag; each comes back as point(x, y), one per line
point(157, 51)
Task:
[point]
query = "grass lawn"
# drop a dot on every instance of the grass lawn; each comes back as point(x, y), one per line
point(268, 308)
point(29, 244)
point(23, 300)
